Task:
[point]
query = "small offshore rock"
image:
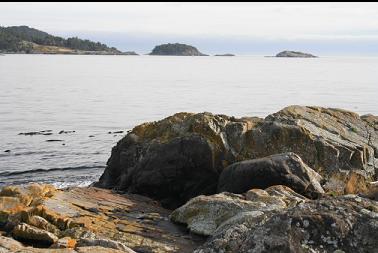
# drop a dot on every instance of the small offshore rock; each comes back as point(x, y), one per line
point(115, 132)
point(295, 54)
point(43, 132)
point(66, 132)
point(224, 55)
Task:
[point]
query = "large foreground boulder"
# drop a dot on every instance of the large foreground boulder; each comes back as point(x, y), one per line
point(281, 169)
point(182, 156)
point(342, 224)
point(209, 215)
point(177, 158)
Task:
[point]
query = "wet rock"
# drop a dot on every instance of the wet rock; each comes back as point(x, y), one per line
point(208, 215)
point(29, 233)
point(7, 151)
point(281, 169)
point(347, 223)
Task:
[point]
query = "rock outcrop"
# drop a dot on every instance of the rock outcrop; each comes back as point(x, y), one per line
point(30, 233)
point(281, 169)
point(87, 220)
point(176, 49)
point(295, 54)
point(209, 215)
point(175, 159)
point(287, 159)
point(342, 224)
point(182, 156)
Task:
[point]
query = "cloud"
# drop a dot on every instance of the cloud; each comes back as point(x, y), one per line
point(216, 27)
point(262, 20)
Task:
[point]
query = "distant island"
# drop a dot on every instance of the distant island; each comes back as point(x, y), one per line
point(176, 49)
point(295, 54)
point(27, 40)
point(224, 55)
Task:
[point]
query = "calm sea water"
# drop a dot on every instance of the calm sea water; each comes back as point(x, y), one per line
point(95, 95)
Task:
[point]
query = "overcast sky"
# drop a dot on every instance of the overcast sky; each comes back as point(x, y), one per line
point(245, 28)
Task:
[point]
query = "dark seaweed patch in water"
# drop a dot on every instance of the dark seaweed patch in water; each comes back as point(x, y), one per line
point(7, 173)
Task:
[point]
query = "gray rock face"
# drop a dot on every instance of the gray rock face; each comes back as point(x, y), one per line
point(176, 49)
point(295, 54)
point(182, 156)
point(327, 139)
point(210, 215)
point(343, 224)
point(281, 169)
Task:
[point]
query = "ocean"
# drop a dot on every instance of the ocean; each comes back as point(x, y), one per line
point(85, 104)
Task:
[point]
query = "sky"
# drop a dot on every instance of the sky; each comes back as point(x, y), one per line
point(240, 28)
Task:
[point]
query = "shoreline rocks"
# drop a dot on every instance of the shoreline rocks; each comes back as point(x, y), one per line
point(91, 218)
point(208, 215)
point(182, 156)
point(27, 232)
point(300, 180)
point(342, 224)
